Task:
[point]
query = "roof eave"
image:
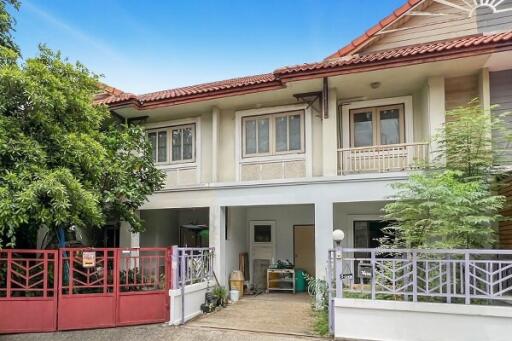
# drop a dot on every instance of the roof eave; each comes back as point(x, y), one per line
point(255, 88)
point(405, 61)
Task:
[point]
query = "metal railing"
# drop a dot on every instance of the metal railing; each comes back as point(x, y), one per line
point(195, 265)
point(418, 275)
point(389, 158)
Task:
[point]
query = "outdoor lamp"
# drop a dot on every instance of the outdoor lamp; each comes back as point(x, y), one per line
point(338, 236)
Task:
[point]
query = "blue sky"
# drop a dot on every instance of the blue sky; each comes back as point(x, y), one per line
point(143, 46)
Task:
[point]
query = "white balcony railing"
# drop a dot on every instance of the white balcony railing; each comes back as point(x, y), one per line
point(390, 158)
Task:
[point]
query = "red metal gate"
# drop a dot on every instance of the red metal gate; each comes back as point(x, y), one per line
point(144, 277)
point(125, 287)
point(87, 295)
point(28, 291)
point(58, 290)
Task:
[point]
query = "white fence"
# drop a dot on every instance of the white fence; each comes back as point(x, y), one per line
point(461, 276)
point(419, 282)
point(389, 158)
point(192, 273)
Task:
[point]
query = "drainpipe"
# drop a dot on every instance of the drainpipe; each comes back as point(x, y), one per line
point(325, 98)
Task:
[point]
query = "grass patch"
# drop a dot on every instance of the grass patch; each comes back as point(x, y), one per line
point(321, 322)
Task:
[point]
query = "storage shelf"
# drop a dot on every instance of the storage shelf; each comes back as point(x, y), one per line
point(281, 280)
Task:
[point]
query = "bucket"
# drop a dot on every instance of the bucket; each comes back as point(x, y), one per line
point(236, 282)
point(234, 295)
point(300, 280)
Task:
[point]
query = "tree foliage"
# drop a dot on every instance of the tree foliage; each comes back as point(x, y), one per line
point(9, 51)
point(452, 203)
point(63, 160)
point(438, 210)
point(472, 141)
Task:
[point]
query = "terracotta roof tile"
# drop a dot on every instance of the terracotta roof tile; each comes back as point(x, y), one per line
point(398, 53)
point(192, 90)
point(271, 80)
point(208, 87)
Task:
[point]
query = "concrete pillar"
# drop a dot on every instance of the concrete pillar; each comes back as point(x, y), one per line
point(215, 142)
point(484, 90)
point(217, 234)
point(484, 93)
point(324, 221)
point(126, 237)
point(436, 106)
point(329, 137)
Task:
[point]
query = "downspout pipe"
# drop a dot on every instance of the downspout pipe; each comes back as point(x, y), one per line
point(325, 98)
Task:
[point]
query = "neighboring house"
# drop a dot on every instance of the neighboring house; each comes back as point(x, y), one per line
point(272, 163)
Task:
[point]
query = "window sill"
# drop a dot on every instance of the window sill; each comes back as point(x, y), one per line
point(184, 165)
point(274, 158)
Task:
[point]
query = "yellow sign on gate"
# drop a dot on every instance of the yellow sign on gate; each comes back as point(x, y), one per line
point(89, 259)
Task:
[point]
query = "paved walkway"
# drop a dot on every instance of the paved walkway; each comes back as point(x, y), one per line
point(272, 313)
point(270, 317)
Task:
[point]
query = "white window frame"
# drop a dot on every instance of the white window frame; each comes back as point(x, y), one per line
point(185, 126)
point(196, 141)
point(383, 102)
point(305, 156)
point(272, 133)
point(157, 131)
point(376, 123)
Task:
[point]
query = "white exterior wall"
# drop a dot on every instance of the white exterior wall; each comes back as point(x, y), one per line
point(194, 297)
point(406, 321)
point(322, 193)
point(237, 239)
point(285, 218)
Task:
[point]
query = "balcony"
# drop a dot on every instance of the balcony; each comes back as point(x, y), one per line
point(382, 159)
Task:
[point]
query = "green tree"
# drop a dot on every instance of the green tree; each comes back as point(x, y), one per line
point(7, 24)
point(452, 203)
point(438, 210)
point(472, 141)
point(64, 161)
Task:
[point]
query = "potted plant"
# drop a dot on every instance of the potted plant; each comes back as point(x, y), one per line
point(221, 293)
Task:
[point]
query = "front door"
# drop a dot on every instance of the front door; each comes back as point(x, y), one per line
point(304, 248)
point(262, 251)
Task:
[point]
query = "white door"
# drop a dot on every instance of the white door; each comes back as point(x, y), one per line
point(262, 251)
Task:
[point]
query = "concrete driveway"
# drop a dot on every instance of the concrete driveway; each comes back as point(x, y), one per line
point(279, 313)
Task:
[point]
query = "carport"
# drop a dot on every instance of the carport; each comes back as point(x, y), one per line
point(277, 313)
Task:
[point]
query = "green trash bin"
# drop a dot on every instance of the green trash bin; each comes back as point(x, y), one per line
point(300, 280)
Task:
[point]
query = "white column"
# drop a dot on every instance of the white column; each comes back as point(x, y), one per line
point(126, 237)
point(215, 142)
point(217, 234)
point(324, 221)
point(484, 90)
point(329, 137)
point(436, 106)
point(484, 93)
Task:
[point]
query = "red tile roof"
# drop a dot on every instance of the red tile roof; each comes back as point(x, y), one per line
point(365, 37)
point(413, 51)
point(233, 84)
point(208, 87)
point(426, 52)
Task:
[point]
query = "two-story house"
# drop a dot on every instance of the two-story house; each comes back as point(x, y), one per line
point(269, 164)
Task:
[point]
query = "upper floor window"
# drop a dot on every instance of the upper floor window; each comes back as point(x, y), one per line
point(273, 134)
point(173, 144)
point(377, 126)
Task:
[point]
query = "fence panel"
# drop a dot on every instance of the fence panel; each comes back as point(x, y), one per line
point(28, 290)
point(451, 276)
point(143, 286)
point(87, 294)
